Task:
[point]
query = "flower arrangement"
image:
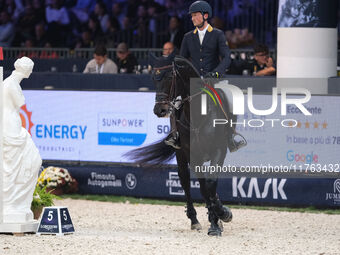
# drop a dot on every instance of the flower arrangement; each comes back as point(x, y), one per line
point(58, 180)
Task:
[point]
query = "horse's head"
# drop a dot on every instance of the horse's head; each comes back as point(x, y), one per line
point(185, 72)
point(171, 76)
point(162, 78)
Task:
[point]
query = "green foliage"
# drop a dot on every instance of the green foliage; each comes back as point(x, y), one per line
point(42, 198)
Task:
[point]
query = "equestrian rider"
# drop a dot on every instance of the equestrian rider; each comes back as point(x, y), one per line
point(206, 47)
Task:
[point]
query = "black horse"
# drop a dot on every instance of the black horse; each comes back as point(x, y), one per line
point(173, 80)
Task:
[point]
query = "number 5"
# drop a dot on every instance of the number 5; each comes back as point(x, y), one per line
point(50, 216)
point(65, 215)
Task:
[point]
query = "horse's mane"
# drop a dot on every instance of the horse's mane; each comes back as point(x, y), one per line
point(187, 71)
point(183, 64)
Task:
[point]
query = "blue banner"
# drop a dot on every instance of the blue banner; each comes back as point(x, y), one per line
point(165, 183)
point(123, 139)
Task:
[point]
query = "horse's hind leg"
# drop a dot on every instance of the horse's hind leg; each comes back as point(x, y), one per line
point(184, 176)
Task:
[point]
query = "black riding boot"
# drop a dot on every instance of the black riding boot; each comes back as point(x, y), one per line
point(173, 140)
point(173, 137)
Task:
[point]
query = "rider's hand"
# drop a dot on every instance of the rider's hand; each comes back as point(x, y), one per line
point(214, 75)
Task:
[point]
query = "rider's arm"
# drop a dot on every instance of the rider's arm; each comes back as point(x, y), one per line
point(184, 52)
point(224, 54)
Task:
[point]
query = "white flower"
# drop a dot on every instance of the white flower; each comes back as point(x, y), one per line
point(54, 176)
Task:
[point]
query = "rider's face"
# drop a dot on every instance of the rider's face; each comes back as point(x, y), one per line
point(196, 18)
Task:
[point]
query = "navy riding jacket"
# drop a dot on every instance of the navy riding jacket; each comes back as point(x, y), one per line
point(212, 56)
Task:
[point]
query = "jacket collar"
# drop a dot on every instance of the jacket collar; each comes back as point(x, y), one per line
point(210, 28)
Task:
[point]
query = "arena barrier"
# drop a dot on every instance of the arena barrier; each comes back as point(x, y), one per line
point(74, 81)
point(87, 53)
point(164, 183)
point(123, 82)
point(70, 65)
point(80, 81)
point(65, 60)
point(128, 82)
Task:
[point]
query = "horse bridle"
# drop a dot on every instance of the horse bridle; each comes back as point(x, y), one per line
point(170, 98)
point(162, 97)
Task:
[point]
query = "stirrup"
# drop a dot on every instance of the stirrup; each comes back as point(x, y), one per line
point(234, 146)
point(172, 142)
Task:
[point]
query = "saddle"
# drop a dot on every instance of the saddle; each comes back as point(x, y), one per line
point(191, 71)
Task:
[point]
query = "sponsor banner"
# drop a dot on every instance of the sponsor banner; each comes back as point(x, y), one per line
point(91, 126)
point(102, 126)
point(165, 183)
point(122, 129)
point(293, 140)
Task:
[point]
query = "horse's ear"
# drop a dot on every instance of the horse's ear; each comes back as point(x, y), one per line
point(153, 59)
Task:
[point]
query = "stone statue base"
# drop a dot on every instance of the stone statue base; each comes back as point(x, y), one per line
point(18, 217)
point(29, 227)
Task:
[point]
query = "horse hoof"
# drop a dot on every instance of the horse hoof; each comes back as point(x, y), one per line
point(214, 232)
point(227, 215)
point(196, 226)
point(215, 229)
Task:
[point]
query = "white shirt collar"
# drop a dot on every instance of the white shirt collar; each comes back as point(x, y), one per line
point(203, 31)
point(201, 34)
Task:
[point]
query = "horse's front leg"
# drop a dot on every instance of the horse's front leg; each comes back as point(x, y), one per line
point(216, 210)
point(184, 176)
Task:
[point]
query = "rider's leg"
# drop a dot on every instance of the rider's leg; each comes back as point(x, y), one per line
point(173, 138)
point(232, 144)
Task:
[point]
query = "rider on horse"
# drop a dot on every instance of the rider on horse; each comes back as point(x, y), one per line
point(208, 51)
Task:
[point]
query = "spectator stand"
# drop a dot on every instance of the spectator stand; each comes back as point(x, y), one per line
point(141, 24)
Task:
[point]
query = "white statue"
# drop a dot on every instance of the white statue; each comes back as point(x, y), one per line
point(21, 159)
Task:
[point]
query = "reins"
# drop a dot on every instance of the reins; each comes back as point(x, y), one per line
point(170, 98)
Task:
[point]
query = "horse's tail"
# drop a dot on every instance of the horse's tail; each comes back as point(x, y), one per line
point(153, 154)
